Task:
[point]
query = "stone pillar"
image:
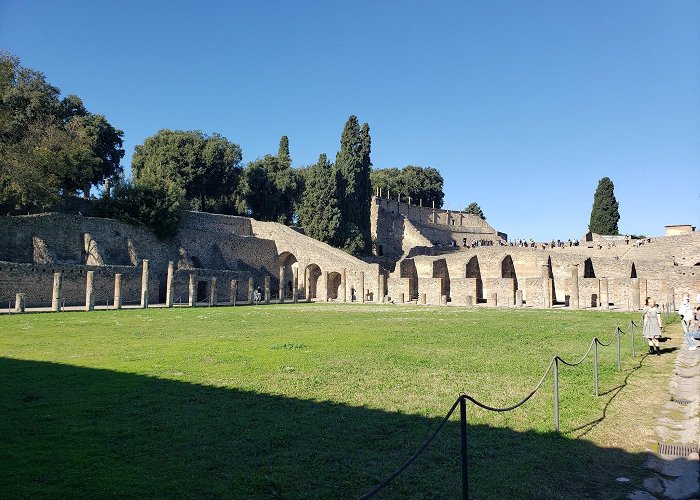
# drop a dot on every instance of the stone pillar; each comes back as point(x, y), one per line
point(362, 287)
point(144, 285)
point(281, 284)
point(118, 291)
point(380, 289)
point(469, 301)
point(295, 289)
point(671, 298)
point(443, 300)
point(233, 291)
point(421, 299)
point(518, 298)
point(295, 285)
point(192, 291)
point(604, 294)
point(325, 286)
point(634, 285)
point(546, 290)
point(493, 299)
point(90, 291)
point(267, 289)
point(169, 285)
point(574, 302)
point(251, 289)
point(213, 297)
point(402, 298)
point(56, 293)
point(20, 302)
point(643, 290)
point(343, 285)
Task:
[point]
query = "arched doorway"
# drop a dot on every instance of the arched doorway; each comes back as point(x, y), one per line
point(289, 271)
point(472, 270)
point(312, 275)
point(588, 271)
point(508, 271)
point(334, 281)
point(440, 271)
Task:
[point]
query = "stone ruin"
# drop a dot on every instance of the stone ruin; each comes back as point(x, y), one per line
point(422, 255)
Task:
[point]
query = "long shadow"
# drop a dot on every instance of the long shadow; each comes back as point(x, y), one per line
point(67, 431)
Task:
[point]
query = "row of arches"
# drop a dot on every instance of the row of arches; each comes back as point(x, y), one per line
point(308, 279)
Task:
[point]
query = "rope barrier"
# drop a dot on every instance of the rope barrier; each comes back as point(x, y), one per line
point(581, 360)
point(603, 343)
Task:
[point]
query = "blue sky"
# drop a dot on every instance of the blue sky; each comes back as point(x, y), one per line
point(523, 106)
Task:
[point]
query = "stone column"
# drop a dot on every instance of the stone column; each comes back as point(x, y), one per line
point(281, 284)
point(343, 285)
point(20, 302)
point(518, 298)
point(56, 294)
point(604, 294)
point(643, 290)
point(402, 298)
point(362, 287)
point(574, 302)
point(421, 299)
point(380, 289)
point(493, 299)
point(634, 285)
point(295, 285)
point(547, 291)
point(267, 289)
point(251, 289)
point(118, 291)
point(324, 292)
point(443, 300)
point(192, 291)
point(213, 298)
point(144, 285)
point(469, 301)
point(671, 298)
point(90, 291)
point(169, 285)
point(233, 291)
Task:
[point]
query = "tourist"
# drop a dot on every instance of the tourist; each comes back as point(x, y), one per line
point(693, 330)
point(257, 295)
point(652, 327)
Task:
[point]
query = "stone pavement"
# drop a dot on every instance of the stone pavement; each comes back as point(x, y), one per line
point(675, 467)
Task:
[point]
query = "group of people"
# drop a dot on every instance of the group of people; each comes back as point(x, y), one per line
point(690, 322)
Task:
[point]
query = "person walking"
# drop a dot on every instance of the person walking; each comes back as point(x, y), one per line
point(652, 327)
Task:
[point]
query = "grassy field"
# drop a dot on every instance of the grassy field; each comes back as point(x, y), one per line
point(315, 401)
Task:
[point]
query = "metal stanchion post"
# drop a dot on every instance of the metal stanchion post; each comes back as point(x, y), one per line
point(556, 393)
point(595, 365)
point(463, 429)
point(617, 335)
point(632, 335)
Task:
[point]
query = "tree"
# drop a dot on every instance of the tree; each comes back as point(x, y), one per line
point(319, 214)
point(49, 147)
point(271, 188)
point(206, 168)
point(353, 167)
point(604, 214)
point(475, 209)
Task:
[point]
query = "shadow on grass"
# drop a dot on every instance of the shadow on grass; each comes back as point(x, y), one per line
point(77, 432)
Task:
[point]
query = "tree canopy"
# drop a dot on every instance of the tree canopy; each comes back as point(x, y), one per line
point(206, 169)
point(50, 147)
point(319, 213)
point(475, 209)
point(414, 182)
point(605, 213)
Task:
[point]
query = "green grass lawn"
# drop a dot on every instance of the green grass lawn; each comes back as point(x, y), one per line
point(293, 401)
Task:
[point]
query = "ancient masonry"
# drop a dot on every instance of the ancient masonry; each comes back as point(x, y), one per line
point(422, 255)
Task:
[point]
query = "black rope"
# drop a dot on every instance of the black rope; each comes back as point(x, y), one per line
point(408, 462)
point(581, 360)
point(603, 343)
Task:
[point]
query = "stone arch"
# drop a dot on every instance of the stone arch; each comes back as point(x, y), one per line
point(408, 270)
point(289, 269)
point(334, 281)
point(440, 271)
point(472, 270)
point(508, 271)
point(312, 275)
point(633, 272)
point(588, 271)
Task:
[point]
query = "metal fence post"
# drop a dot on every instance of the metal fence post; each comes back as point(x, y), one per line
point(632, 335)
point(556, 393)
point(595, 364)
point(463, 429)
point(617, 334)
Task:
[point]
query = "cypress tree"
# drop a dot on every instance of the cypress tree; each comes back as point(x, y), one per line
point(353, 166)
point(283, 153)
point(474, 208)
point(319, 214)
point(604, 214)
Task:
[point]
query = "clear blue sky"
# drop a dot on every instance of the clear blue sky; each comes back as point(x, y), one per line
point(522, 105)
